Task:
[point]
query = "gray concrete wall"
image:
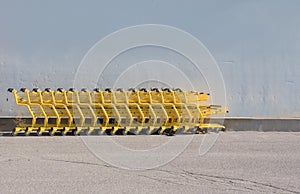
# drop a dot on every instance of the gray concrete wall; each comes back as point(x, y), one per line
point(256, 44)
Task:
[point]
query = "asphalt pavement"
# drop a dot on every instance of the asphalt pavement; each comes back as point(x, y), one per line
point(234, 162)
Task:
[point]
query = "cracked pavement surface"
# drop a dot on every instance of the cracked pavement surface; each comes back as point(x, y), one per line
point(239, 162)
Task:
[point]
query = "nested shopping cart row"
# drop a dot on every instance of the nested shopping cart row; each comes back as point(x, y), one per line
point(112, 111)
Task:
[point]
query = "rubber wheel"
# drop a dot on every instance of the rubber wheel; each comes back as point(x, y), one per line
point(171, 132)
point(123, 132)
point(109, 131)
point(204, 131)
point(74, 132)
point(85, 132)
point(147, 131)
point(38, 132)
point(159, 131)
point(26, 134)
point(13, 132)
point(50, 132)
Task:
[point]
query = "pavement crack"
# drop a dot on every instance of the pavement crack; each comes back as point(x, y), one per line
point(235, 181)
point(78, 162)
point(187, 176)
point(194, 181)
point(161, 180)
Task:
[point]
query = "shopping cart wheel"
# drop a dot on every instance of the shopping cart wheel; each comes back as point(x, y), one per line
point(74, 132)
point(38, 132)
point(204, 130)
point(26, 132)
point(51, 132)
